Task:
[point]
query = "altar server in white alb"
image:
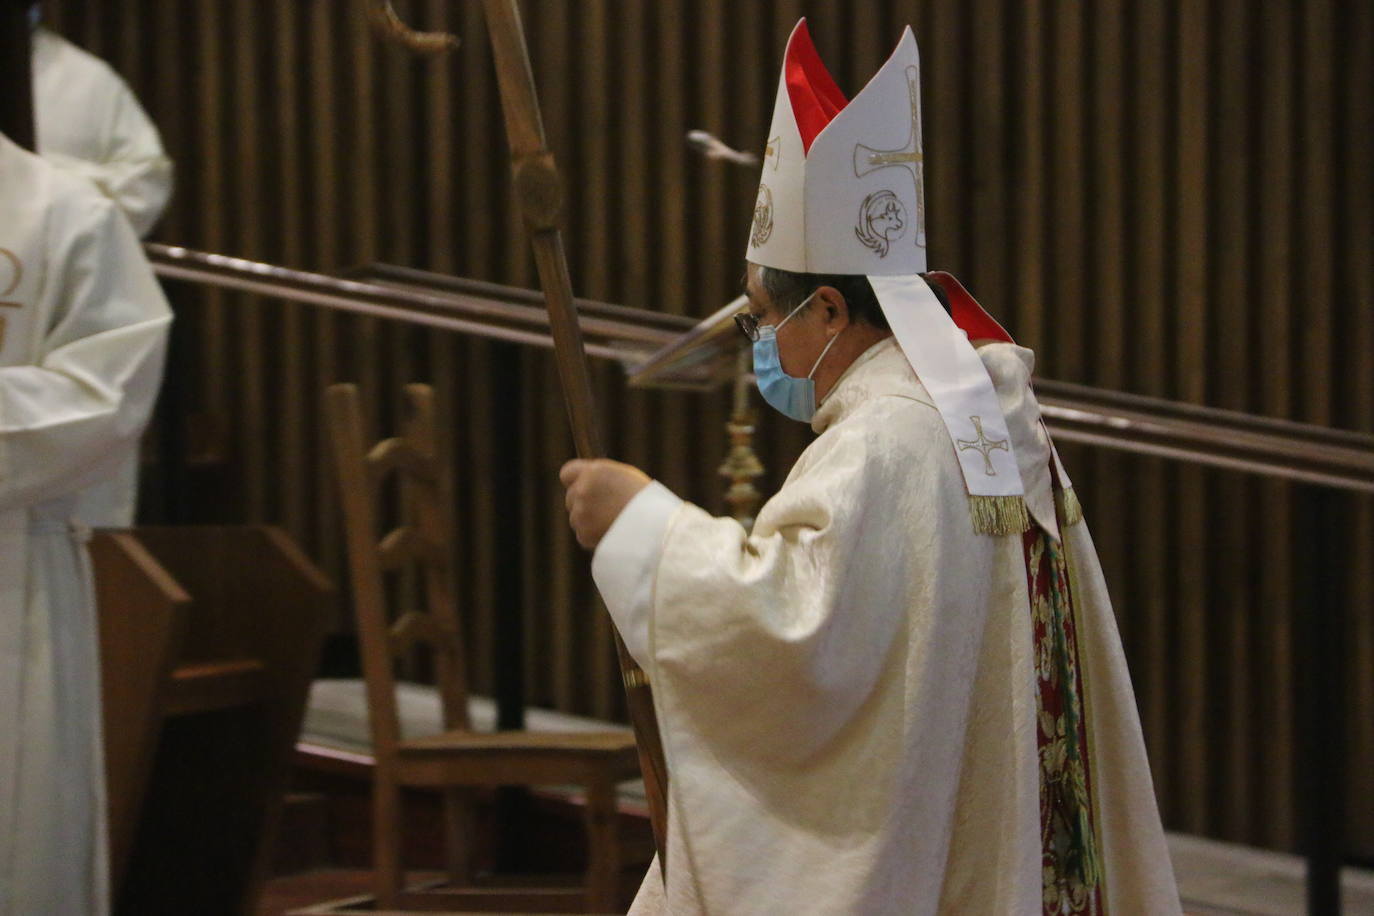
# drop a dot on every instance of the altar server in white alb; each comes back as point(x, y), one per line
point(89, 122)
point(83, 327)
point(903, 691)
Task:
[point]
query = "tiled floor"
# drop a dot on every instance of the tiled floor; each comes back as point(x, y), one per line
point(1215, 879)
point(1222, 879)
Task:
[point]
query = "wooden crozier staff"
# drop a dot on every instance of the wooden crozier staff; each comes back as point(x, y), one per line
point(540, 195)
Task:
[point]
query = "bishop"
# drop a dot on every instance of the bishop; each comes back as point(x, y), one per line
point(903, 691)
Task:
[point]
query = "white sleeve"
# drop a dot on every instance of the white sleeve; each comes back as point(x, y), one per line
point(626, 561)
point(132, 169)
point(64, 419)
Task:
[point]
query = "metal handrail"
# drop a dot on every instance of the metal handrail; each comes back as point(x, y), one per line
point(481, 309)
point(638, 338)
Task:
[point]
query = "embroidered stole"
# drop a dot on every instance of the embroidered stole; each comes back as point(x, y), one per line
point(1071, 867)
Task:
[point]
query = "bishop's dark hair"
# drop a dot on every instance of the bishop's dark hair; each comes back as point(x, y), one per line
point(787, 289)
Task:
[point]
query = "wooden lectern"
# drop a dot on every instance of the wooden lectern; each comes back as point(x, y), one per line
point(209, 639)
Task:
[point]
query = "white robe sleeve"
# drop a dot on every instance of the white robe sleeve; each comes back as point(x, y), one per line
point(64, 419)
point(626, 560)
point(800, 605)
point(126, 161)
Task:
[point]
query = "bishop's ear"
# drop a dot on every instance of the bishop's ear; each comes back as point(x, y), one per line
point(836, 308)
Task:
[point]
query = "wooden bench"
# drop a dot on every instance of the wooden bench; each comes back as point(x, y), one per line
point(209, 638)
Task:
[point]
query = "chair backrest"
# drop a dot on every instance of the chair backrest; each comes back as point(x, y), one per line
point(422, 541)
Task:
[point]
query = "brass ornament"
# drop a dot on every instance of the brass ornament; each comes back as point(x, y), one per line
point(742, 466)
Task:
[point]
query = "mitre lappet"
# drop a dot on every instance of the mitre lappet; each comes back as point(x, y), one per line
point(842, 192)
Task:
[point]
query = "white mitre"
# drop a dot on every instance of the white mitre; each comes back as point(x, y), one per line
point(842, 192)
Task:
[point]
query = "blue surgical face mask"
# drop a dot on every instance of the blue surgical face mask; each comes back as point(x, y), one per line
point(792, 397)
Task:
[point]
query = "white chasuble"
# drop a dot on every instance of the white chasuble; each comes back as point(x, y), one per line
point(83, 327)
point(848, 695)
point(88, 122)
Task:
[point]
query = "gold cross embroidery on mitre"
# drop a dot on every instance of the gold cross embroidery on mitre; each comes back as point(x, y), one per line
point(868, 159)
point(983, 445)
point(772, 152)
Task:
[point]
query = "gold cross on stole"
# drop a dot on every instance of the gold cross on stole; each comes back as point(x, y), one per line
point(983, 445)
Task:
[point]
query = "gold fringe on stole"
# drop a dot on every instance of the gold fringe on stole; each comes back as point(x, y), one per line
point(999, 514)
point(1070, 509)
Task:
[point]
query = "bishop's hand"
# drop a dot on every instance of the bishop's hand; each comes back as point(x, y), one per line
point(597, 491)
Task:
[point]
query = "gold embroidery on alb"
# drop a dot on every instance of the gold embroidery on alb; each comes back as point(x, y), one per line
point(11, 272)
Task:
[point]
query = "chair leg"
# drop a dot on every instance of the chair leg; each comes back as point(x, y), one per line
point(388, 871)
point(458, 833)
point(603, 847)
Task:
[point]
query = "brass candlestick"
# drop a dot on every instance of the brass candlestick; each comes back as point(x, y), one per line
point(742, 466)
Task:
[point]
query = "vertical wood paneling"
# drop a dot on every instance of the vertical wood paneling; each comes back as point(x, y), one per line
point(1152, 584)
point(1167, 198)
point(1066, 342)
point(1356, 292)
point(1230, 166)
point(1317, 207)
point(942, 74)
point(1275, 266)
point(988, 243)
point(1190, 316)
point(211, 161)
point(1029, 158)
point(294, 491)
point(248, 174)
point(676, 289)
point(323, 178)
point(1106, 319)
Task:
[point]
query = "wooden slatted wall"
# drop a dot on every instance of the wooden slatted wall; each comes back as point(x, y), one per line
point(1171, 198)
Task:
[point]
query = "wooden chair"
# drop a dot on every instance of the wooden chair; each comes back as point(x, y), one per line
point(457, 759)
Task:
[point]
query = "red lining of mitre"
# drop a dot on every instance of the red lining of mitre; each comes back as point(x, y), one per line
point(971, 317)
point(815, 97)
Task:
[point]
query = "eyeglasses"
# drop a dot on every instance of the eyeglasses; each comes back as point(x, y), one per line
point(748, 324)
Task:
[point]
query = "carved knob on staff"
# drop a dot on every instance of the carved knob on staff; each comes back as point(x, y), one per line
point(539, 190)
point(389, 27)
